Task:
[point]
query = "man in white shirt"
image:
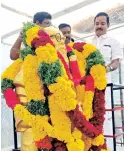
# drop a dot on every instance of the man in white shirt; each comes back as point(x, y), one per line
point(112, 53)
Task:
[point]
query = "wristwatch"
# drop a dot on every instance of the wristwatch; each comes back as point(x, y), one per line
point(111, 68)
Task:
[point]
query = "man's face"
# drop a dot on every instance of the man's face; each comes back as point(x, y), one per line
point(101, 25)
point(67, 33)
point(45, 23)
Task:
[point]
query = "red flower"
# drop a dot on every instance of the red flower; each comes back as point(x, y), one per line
point(11, 98)
point(42, 33)
point(98, 110)
point(43, 39)
point(94, 126)
point(65, 65)
point(75, 72)
point(61, 149)
point(98, 148)
point(80, 122)
point(59, 146)
point(68, 48)
point(44, 143)
point(89, 83)
point(79, 46)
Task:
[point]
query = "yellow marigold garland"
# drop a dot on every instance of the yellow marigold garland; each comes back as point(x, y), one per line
point(46, 53)
point(88, 49)
point(31, 34)
point(87, 141)
point(62, 130)
point(77, 135)
point(64, 75)
point(80, 91)
point(99, 140)
point(98, 72)
point(63, 97)
point(33, 85)
point(87, 104)
point(81, 62)
point(63, 94)
point(12, 70)
point(77, 145)
point(38, 123)
point(61, 100)
point(71, 44)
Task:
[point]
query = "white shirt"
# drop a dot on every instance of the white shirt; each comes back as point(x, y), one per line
point(109, 48)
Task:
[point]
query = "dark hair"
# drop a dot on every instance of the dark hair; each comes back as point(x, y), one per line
point(63, 25)
point(40, 16)
point(72, 39)
point(102, 14)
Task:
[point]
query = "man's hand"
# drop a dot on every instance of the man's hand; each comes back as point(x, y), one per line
point(14, 52)
point(113, 65)
point(108, 69)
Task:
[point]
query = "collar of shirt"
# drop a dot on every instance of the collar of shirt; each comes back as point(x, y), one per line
point(101, 37)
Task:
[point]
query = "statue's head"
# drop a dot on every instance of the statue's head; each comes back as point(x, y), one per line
point(56, 36)
point(34, 36)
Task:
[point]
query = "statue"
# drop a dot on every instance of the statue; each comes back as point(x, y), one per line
point(58, 100)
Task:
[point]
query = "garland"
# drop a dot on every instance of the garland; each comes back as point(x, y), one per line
point(12, 70)
point(31, 78)
point(49, 85)
point(58, 87)
point(93, 109)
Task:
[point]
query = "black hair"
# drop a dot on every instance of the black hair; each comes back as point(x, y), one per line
point(63, 25)
point(40, 16)
point(103, 14)
point(72, 39)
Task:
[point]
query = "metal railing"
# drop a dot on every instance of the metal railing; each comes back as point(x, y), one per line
point(115, 87)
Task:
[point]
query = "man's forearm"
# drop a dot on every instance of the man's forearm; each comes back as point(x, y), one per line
point(14, 52)
point(113, 65)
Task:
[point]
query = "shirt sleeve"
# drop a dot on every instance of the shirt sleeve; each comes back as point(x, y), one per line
point(117, 51)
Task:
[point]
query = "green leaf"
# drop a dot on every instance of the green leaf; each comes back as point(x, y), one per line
point(70, 54)
point(25, 52)
point(49, 72)
point(6, 83)
point(38, 107)
point(26, 26)
point(93, 59)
